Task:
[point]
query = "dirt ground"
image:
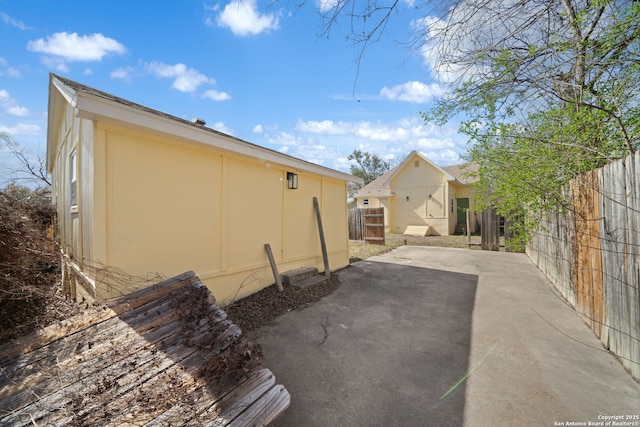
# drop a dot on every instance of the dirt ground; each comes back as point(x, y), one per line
point(359, 250)
point(262, 307)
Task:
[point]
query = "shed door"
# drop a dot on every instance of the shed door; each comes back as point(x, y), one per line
point(463, 207)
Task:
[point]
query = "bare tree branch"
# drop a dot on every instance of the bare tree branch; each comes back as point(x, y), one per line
point(32, 167)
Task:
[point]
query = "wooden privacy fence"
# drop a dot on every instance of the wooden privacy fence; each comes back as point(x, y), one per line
point(356, 224)
point(367, 224)
point(490, 231)
point(591, 253)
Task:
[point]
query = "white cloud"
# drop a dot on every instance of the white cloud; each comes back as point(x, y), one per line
point(327, 5)
point(216, 95)
point(123, 73)
point(412, 91)
point(310, 149)
point(285, 138)
point(55, 63)
point(221, 127)
point(391, 140)
point(374, 131)
point(258, 129)
point(433, 143)
point(443, 157)
point(8, 70)
point(448, 57)
point(87, 71)
point(243, 18)
point(326, 127)
point(18, 111)
point(72, 47)
point(452, 43)
point(10, 105)
point(328, 142)
point(13, 22)
point(185, 79)
point(21, 129)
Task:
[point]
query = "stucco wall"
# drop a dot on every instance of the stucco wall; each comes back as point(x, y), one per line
point(163, 206)
point(420, 197)
point(373, 202)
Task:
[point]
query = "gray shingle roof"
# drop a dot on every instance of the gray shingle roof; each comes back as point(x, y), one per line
point(462, 172)
point(377, 187)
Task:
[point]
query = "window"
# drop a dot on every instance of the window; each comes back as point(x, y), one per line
point(451, 205)
point(365, 202)
point(416, 164)
point(73, 179)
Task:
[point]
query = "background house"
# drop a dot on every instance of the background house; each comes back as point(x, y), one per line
point(142, 194)
point(418, 196)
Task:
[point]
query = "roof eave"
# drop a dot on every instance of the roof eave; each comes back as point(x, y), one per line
point(57, 91)
point(93, 107)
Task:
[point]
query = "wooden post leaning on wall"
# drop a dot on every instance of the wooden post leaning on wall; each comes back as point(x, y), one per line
point(274, 268)
point(323, 243)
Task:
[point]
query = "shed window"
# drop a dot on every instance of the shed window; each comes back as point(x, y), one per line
point(365, 202)
point(416, 163)
point(73, 179)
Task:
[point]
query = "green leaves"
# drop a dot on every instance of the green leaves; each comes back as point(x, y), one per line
point(558, 95)
point(368, 166)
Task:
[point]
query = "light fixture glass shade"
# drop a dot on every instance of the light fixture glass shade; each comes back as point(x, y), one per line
point(292, 180)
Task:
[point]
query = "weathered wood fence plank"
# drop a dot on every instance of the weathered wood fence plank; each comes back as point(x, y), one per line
point(592, 254)
point(356, 224)
point(161, 354)
point(374, 226)
point(490, 231)
point(367, 224)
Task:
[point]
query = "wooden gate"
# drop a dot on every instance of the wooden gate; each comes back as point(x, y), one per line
point(374, 225)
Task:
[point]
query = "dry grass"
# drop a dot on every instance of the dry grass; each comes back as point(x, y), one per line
point(30, 292)
point(359, 250)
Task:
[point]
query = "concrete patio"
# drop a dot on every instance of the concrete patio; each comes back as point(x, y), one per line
point(426, 336)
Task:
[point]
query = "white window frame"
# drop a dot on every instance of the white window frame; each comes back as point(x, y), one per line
point(73, 178)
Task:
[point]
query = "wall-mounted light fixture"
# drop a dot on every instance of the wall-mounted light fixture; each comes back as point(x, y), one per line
point(430, 197)
point(407, 198)
point(292, 180)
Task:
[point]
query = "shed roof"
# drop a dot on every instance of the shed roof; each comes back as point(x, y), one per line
point(463, 173)
point(91, 103)
point(165, 355)
point(377, 188)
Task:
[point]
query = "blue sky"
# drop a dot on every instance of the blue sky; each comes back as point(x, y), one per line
point(254, 69)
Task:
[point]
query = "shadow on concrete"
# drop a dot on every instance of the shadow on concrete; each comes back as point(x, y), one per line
point(387, 348)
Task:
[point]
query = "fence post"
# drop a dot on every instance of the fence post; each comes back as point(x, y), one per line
point(490, 232)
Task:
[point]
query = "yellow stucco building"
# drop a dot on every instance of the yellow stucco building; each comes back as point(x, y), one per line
point(419, 196)
point(141, 195)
